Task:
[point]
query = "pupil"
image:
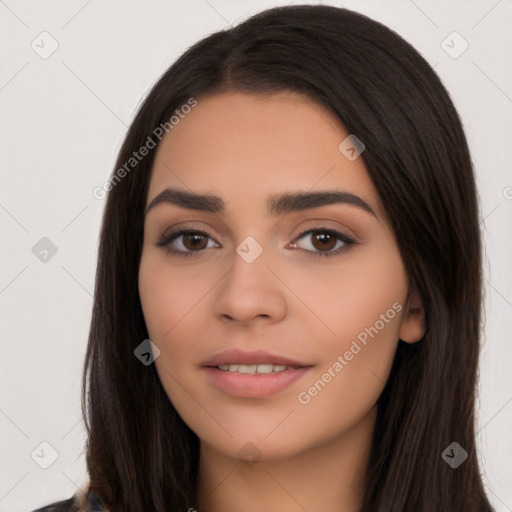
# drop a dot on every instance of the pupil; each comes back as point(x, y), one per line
point(323, 237)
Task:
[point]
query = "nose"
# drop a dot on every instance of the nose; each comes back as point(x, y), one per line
point(250, 292)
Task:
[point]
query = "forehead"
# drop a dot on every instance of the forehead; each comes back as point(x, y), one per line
point(245, 146)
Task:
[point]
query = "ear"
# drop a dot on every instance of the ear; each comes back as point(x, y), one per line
point(412, 326)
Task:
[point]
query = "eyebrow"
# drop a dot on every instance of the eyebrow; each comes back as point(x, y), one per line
point(277, 204)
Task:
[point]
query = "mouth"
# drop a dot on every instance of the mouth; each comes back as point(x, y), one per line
point(255, 369)
point(252, 374)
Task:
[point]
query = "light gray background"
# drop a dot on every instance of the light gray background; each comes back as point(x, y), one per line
point(61, 125)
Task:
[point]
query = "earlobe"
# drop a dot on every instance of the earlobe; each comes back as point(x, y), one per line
point(412, 326)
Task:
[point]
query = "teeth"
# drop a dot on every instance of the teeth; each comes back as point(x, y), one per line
point(253, 368)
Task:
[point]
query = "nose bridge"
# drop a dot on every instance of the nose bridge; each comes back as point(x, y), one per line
point(249, 270)
point(250, 289)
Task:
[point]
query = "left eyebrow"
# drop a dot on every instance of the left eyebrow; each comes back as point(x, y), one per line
point(277, 204)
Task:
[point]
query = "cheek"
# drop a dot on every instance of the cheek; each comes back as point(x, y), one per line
point(174, 305)
point(167, 296)
point(354, 368)
point(165, 302)
point(362, 306)
point(366, 291)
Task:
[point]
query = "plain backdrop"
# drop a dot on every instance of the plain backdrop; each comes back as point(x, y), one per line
point(72, 74)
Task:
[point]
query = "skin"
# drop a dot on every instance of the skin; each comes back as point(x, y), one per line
point(244, 148)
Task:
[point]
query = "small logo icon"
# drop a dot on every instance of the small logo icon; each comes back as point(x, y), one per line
point(454, 455)
point(44, 455)
point(44, 45)
point(454, 45)
point(249, 249)
point(44, 250)
point(249, 454)
point(147, 352)
point(351, 147)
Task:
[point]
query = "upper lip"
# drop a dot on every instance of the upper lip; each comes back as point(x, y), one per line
point(237, 356)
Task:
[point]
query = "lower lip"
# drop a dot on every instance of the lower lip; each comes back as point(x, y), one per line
point(256, 385)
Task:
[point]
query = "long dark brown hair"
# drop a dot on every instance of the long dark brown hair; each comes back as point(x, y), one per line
point(140, 454)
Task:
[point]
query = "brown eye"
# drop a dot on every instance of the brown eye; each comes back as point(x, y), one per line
point(194, 241)
point(323, 241)
point(185, 242)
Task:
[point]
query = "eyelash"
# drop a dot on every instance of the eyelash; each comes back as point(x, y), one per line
point(166, 239)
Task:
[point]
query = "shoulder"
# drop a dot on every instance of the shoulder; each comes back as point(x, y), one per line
point(69, 505)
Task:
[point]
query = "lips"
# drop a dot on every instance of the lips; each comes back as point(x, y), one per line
point(245, 374)
point(253, 357)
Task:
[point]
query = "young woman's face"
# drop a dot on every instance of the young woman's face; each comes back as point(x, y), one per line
point(263, 281)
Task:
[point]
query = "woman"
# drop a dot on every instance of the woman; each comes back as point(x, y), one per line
point(288, 292)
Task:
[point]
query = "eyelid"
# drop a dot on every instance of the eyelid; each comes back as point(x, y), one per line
point(306, 224)
point(325, 225)
point(186, 228)
point(316, 224)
